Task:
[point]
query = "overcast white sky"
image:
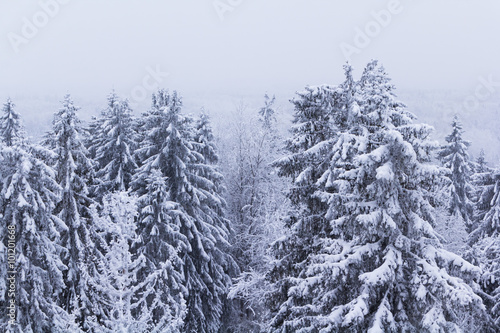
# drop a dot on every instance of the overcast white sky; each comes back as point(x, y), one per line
point(92, 46)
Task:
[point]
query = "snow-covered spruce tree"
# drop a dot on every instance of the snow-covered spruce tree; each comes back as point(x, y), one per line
point(11, 129)
point(112, 146)
point(267, 114)
point(81, 254)
point(482, 180)
point(204, 140)
point(159, 236)
point(30, 266)
point(204, 144)
point(319, 114)
point(190, 185)
point(481, 166)
point(455, 158)
point(160, 292)
point(485, 240)
point(375, 264)
point(152, 134)
point(115, 223)
point(209, 180)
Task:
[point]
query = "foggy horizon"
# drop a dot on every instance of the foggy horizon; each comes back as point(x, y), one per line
point(230, 166)
point(89, 47)
point(220, 53)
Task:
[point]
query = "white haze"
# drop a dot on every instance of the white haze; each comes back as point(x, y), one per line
point(439, 54)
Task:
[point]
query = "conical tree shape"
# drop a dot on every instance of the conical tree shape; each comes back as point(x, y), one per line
point(485, 240)
point(81, 255)
point(481, 166)
point(191, 184)
point(31, 269)
point(375, 264)
point(11, 129)
point(267, 113)
point(113, 144)
point(319, 114)
point(455, 158)
point(160, 292)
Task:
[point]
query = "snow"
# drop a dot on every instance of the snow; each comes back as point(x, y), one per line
point(385, 172)
point(130, 223)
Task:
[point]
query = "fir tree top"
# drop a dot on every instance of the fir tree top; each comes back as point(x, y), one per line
point(11, 128)
point(267, 112)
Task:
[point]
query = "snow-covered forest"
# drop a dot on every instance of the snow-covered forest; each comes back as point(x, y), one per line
point(353, 220)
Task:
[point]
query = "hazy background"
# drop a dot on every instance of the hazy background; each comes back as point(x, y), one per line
point(220, 53)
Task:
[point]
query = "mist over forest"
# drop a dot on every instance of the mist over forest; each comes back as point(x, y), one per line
point(232, 166)
point(434, 107)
